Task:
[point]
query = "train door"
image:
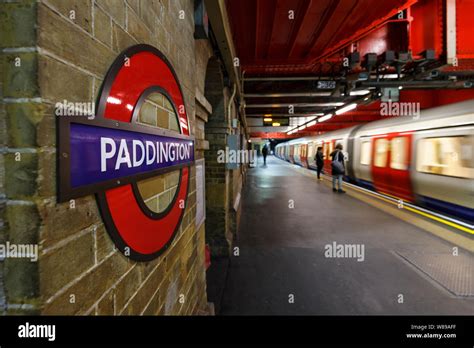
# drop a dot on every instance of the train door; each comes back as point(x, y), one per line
point(296, 154)
point(399, 165)
point(304, 155)
point(328, 147)
point(390, 164)
point(310, 154)
point(380, 177)
point(292, 152)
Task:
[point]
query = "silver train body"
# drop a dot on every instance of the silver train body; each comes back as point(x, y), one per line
point(427, 160)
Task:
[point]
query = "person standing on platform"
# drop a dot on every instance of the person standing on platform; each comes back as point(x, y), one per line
point(338, 169)
point(265, 153)
point(319, 159)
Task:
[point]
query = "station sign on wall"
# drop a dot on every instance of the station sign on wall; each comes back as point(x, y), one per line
point(108, 154)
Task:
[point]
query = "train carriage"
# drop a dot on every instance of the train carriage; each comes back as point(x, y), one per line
point(428, 160)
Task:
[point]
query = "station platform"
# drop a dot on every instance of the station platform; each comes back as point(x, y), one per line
point(288, 221)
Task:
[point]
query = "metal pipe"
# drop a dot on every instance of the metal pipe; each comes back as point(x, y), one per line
point(288, 115)
point(451, 32)
point(294, 104)
point(292, 78)
point(231, 100)
point(278, 95)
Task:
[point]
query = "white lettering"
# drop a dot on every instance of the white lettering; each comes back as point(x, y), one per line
point(142, 152)
point(123, 155)
point(149, 145)
point(104, 154)
point(137, 163)
point(37, 331)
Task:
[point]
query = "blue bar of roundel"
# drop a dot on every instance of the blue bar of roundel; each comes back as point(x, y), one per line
point(85, 154)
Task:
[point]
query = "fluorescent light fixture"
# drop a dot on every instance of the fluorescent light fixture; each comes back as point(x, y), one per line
point(268, 119)
point(390, 76)
point(400, 87)
point(302, 127)
point(325, 118)
point(312, 123)
point(275, 124)
point(346, 108)
point(360, 92)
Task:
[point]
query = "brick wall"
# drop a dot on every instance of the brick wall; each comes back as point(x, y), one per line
point(66, 48)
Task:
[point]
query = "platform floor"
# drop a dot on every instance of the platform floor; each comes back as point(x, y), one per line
point(282, 253)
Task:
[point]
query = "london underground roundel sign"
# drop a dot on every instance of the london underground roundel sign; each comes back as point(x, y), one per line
point(109, 153)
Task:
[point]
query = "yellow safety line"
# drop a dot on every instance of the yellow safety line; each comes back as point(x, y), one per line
point(449, 223)
point(436, 218)
point(414, 210)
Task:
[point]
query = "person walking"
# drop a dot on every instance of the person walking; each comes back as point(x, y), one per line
point(338, 168)
point(319, 159)
point(265, 153)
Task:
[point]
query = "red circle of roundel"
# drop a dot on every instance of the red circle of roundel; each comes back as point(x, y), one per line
point(136, 70)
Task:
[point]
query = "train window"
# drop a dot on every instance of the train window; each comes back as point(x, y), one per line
point(450, 156)
point(326, 150)
point(399, 153)
point(365, 151)
point(381, 150)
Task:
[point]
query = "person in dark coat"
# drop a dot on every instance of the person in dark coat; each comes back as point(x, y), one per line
point(338, 168)
point(265, 153)
point(319, 159)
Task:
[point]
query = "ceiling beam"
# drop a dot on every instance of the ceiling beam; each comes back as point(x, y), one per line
point(273, 27)
point(258, 25)
point(306, 5)
point(325, 18)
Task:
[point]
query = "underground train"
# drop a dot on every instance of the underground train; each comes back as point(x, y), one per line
point(428, 161)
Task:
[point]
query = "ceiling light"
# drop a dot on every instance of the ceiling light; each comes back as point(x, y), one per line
point(312, 123)
point(275, 124)
point(360, 92)
point(268, 119)
point(325, 118)
point(346, 108)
